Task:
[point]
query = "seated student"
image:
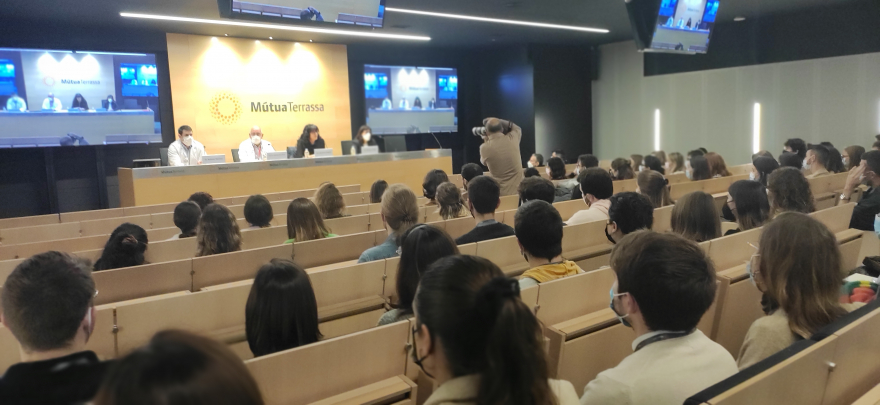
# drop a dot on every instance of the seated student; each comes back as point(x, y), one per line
point(558, 153)
point(555, 169)
point(660, 155)
point(124, 248)
point(258, 212)
point(815, 162)
point(363, 138)
point(596, 187)
point(376, 191)
point(281, 311)
point(47, 305)
point(675, 164)
point(797, 266)
point(665, 284)
point(762, 153)
point(468, 172)
point(717, 167)
point(484, 197)
point(450, 201)
point(699, 169)
point(536, 188)
point(835, 161)
point(399, 212)
point(420, 246)
point(876, 145)
point(201, 198)
point(869, 206)
point(653, 185)
point(852, 157)
point(538, 228)
point(186, 218)
point(304, 222)
point(761, 168)
point(329, 201)
point(629, 212)
point(791, 160)
point(788, 190)
point(178, 367)
point(696, 218)
point(652, 162)
point(796, 146)
point(636, 162)
point(537, 160)
point(748, 202)
point(218, 232)
point(531, 172)
point(621, 169)
point(433, 179)
point(478, 341)
point(584, 162)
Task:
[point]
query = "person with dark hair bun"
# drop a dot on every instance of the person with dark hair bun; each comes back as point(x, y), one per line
point(762, 166)
point(258, 212)
point(186, 218)
point(478, 341)
point(125, 248)
point(433, 179)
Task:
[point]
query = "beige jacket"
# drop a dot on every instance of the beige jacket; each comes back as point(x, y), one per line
point(500, 153)
point(463, 391)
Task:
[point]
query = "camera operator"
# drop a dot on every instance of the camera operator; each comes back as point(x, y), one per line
point(500, 152)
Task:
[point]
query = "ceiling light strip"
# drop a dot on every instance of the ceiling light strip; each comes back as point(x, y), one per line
point(275, 27)
point(499, 20)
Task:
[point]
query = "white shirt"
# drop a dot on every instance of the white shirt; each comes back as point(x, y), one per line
point(247, 151)
point(666, 372)
point(178, 155)
point(52, 104)
point(598, 211)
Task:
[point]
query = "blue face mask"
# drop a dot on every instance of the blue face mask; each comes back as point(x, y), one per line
point(877, 225)
point(620, 317)
point(751, 275)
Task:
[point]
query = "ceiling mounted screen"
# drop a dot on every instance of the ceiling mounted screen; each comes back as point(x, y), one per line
point(366, 13)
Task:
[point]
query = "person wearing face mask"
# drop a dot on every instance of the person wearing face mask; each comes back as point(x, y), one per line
point(109, 104)
point(869, 206)
point(815, 162)
point(537, 160)
point(309, 141)
point(185, 151)
point(47, 304)
point(761, 168)
point(584, 162)
point(255, 148)
point(664, 285)
point(52, 103)
point(364, 138)
point(597, 187)
point(538, 229)
point(629, 212)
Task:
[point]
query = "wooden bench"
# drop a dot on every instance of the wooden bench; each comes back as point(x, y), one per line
point(662, 219)
point(711, 186)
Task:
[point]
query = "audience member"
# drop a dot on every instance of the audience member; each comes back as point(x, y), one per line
point(531, 172)
point(125, 248)
point(788, 190)
point(281, 311)
point(218, 231)
point(717, 167)
point(201, 198)
point(399, 212)
point(748, 202)
point(186, 218)
point(433, 179)
point(558, 153)
point(420, 246)
point(376, 191)
point(653, 163)
point(852, 157)
point(621, 169)
point(180, 368)
point(47, 306)
point(585, 161)
point(797, 266)
point(796, 146)
point(788, 159)
point(664, 286)
point(478, 341)
point(869, 206)
point(537, 160)
point(468, 172)
point(304, 222)
point(653, 185)
point(636, 162)
point(696, 218)
point(329, 201)
point(762, 166)
point(694, 153)
point(555, 168)
point(675, 164)
point(699, 169)
point(450, 202)
point(814, 163)
point(629, 212)
point(596, 187)
point(538, 229)
point(484, 197)
point(536, 188)
point(835, 161)
point(704, 150)
point(763, 153)
point(258, 212)
point(659, 154)
point(826, 144)
point(876, 145)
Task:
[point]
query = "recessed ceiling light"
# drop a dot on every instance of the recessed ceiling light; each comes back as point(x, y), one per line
point(501, 21)
point(276, 27)
point(738, 19)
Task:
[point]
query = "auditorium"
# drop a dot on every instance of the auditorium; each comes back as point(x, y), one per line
point(399, 202)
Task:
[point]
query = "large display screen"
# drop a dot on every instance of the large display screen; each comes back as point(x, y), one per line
point(677, 26)
point(61, 97)
point(411, 99)
point(367, 13)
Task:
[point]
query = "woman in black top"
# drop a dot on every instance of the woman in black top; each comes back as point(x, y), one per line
point(309, 140)
point(79, 102)
point(364, 138)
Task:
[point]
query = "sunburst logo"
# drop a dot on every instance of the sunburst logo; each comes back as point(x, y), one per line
point(225, 107)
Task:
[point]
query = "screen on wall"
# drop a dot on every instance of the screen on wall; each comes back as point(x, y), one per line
point(60, 98)
point(411, 99)
point(676, 26)
point(366, 13)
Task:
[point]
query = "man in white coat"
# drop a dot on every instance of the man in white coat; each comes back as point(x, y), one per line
point(185, 151)
point(255, 148)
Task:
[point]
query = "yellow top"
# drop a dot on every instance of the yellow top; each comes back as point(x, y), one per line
point(552, 271)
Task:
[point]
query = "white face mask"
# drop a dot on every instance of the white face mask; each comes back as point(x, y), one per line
point(529, 164)
point(806, 165)
point(547, 170)
point(688, 174)
point(577, 170)
point(256, 139)
point(641, 168)
point(187, 140)
point(843, 160)
point(752, 176)
point(367, 136)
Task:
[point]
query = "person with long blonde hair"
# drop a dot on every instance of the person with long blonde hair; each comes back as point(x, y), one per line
point(450, 201)
point(654, 186)
point(675, 164)
point(399, 212)
point(329, 201)
point(304, 222)
point(218, 231)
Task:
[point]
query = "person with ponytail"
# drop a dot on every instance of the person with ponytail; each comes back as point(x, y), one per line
point(665, 284)
point(399, 212)
point(478, 341)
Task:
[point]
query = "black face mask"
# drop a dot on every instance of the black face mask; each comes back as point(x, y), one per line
point(414, 354)
point(608, 235)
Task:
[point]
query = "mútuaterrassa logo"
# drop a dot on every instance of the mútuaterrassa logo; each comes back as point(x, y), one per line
point(225, 107)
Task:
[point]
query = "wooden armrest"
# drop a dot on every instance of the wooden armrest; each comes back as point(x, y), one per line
point(227, 285)
point(848, 235)
point(332, 266)
point(349, 308)
point(230, 335)
point(388, 391)
point(588, 252)
point(515, 270)
point(735, 274)
point(588, 323)
point(825, 196)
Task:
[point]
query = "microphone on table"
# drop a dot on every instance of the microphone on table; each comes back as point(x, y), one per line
point(438, 141)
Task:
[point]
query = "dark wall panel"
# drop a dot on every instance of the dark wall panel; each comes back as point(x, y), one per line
point(23, 188)
point(507, 85)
